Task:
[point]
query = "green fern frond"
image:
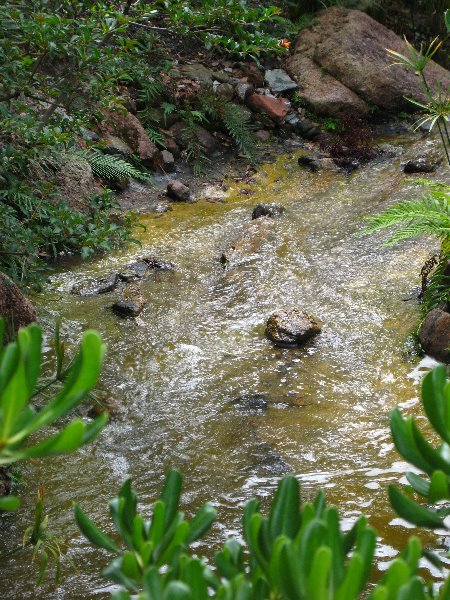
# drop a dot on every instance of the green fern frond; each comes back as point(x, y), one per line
point(156, 136)
point(113, 168)
point(429, 215)
point(235, 120)
point(237, 123)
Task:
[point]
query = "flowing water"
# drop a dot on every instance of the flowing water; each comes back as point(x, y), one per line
point(199, 345)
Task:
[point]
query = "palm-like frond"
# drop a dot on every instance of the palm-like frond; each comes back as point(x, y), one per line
point(113, 168)
point(428, 215)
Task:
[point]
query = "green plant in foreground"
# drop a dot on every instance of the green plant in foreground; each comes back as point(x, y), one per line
point(20, 365)
point(433, 462)
point(297, 552)
point(152, 543)
point(427, 215)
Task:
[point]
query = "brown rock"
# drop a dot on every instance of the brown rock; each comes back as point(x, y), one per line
point(324, 94)
point(14, 307)
point(171, 145)
point(178, 191)
point(226, 91)
point(73, 180)
point(434, 335)
point(348, 48)
point(263, 135)
point(179, 133)
point(252, 73)
point(129, 128)
point(275, 108)
point(288, 328)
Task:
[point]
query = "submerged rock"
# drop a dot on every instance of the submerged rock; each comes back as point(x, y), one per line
point(127, 308)
point(97, 286)
point(309, 161)
point(131, 272)
point(253, 403)
point(434, 335)
point(157, 264)
point(422, 164)
point(132, 302)
point(288, 328)
point(268, 210)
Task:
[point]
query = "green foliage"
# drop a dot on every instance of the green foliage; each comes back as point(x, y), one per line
point(149, 544)
point(45, 544)
point(235, 120)
point(433, 462)
point(297, 552)
point(113, 168)
point(437, 109)
point(20, 420)
point(427, 215)
point(237, 27)
point(59, 61)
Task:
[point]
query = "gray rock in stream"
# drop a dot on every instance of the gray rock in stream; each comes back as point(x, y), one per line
point(279, 81)
point(422, 164)
point(289, 328)
point(125, 308)
point(272, 210)
point(131, 272)
point(95, 287)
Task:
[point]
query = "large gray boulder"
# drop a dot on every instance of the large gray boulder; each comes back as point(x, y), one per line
point(341, 64)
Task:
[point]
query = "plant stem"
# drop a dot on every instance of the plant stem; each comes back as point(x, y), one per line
point(443, 142)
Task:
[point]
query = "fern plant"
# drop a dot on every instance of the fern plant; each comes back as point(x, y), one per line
point(235, 120)
point(427, 215)
point(195, 152)
point(113, 168)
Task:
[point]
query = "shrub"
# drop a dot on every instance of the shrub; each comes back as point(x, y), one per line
point(20, 419)
point(298, 551)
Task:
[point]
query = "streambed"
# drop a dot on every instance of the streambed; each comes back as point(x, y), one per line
point(199, 345)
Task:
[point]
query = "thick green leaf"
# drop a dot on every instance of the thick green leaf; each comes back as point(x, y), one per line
point(9, 503)
point(30, 343)
point(421, 486)
point(171, 495)
point(318, 583)
point(92, 532)
point(284, 517)
point(439, 489)
point(405, 443)
point(353, 580)
point(433, 400)
point(201, 522)
point(411, 511)
point(193, 576)
point(176, 590)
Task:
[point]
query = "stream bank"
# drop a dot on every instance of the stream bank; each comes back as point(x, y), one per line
point(187, 377)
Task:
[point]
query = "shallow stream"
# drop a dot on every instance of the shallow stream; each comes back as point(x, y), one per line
point(199, 345)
